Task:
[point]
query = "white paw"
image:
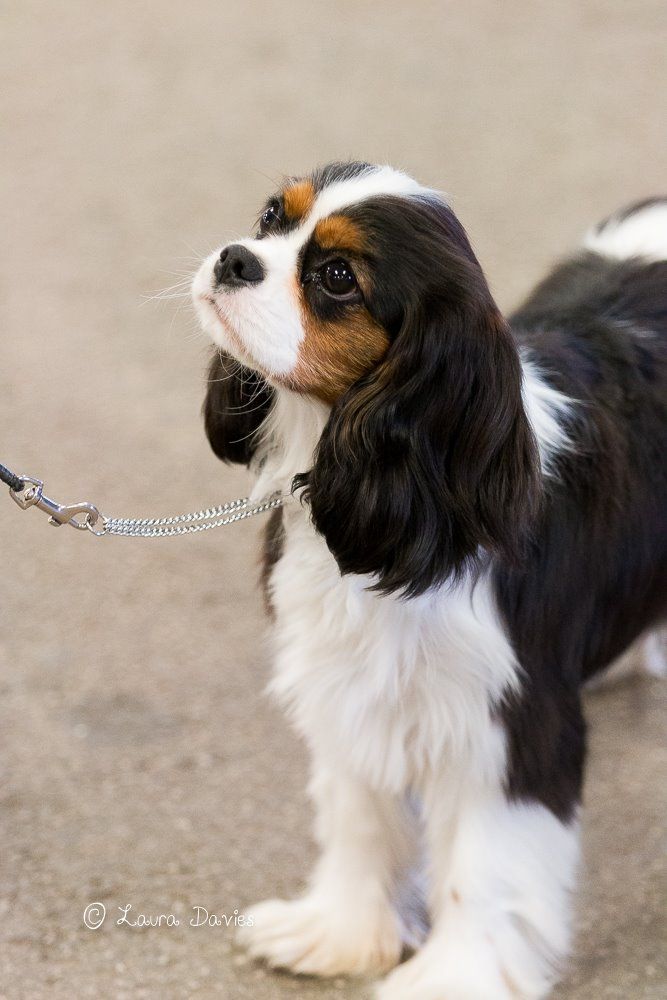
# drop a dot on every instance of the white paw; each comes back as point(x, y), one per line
point(306, 936)
point(437, 974)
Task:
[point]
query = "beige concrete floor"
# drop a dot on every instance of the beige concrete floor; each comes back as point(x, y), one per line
point(140, 762)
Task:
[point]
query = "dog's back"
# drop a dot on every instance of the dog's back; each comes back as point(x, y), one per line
point(598, 327)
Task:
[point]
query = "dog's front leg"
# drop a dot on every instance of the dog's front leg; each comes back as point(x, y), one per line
point(345, 923)
point(502, 875)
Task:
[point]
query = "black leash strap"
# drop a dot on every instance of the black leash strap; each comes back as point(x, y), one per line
point(11, 480)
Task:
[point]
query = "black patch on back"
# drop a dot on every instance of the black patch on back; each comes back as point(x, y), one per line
point(597, 574)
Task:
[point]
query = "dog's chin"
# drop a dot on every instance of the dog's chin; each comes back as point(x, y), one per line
point(220, 329)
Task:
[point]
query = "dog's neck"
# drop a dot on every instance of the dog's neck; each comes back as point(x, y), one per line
point(288, 439)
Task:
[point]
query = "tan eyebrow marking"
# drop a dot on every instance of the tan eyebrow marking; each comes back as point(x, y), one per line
point(339, 233)
point(298, 200)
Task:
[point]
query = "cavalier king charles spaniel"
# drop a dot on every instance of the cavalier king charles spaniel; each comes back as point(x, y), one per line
point(476, 525)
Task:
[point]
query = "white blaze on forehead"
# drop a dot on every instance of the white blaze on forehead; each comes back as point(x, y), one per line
point(266, 317)
point(373, 183)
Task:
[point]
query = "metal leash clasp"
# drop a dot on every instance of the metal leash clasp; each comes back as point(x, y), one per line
point(32, 495)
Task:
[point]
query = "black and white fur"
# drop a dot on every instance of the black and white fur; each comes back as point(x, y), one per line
point(480, 525)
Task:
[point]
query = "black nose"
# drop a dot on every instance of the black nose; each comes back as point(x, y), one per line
point(237, 266)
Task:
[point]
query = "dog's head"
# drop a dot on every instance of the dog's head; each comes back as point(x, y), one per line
point(360, 288)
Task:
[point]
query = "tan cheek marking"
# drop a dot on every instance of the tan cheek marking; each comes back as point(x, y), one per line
point(339, 233)
point(334, 354)
point(298, 200)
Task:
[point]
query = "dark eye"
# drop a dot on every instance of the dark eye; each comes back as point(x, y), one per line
point(337, 278)
point(271, 217)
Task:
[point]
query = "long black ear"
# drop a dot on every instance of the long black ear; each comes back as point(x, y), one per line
point(429, 460)
point(237, 402)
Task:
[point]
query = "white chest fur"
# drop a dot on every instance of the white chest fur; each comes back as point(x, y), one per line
point(391, 688)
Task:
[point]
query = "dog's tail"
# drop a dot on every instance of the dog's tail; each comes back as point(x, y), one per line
point(640, 230)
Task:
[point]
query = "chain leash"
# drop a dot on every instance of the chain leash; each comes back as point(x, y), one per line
point(26, 491)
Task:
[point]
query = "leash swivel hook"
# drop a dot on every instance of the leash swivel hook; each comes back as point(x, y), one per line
point(83, 516)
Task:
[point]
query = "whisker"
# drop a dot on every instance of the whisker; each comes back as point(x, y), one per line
point(165, 296)
point(241, 411)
